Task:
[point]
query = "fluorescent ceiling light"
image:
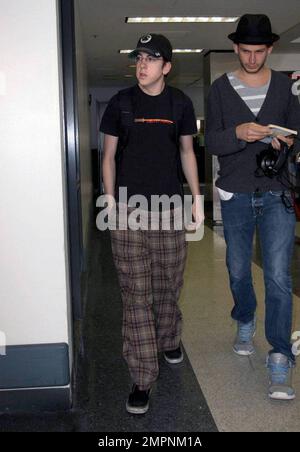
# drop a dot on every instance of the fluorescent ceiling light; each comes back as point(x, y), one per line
point(187, 50)
point(201, 19)
point(174, 51)
point(296, 41)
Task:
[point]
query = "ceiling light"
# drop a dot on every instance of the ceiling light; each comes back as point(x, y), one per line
point(296, 41)
point(127, 51)
point(201, 19)
point(187, 50)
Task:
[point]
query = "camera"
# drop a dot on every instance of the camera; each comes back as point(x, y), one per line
point(271, 161)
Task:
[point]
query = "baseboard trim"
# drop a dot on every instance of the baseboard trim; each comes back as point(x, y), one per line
point(33, 400)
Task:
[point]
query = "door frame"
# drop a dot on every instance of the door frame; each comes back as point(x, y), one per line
point(72, 155)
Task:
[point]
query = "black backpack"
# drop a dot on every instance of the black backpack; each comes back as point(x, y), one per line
point(127, 103)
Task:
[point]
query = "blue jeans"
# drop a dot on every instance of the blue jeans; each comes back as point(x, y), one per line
point(275, 221)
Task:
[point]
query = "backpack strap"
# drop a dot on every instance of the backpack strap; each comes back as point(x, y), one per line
point(177, 100)
point(126, 111)
point(127, 105)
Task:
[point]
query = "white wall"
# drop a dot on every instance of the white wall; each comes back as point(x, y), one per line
point(33, 288)
point(84, 131)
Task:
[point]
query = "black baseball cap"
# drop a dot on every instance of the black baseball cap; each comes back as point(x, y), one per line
point(154, 44)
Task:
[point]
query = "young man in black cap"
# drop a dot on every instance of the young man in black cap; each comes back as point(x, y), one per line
point(154, 124)
point(241, 105)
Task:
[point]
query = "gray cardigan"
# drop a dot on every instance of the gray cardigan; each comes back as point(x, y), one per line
point(225, 111)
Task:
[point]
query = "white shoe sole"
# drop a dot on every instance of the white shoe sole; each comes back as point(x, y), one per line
point(174, 361)
point(243, 353)
point(281, 396)
point(133, 410)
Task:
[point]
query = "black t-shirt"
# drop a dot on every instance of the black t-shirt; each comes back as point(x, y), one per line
point(149, 163)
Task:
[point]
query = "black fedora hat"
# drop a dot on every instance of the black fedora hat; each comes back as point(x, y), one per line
point(254, 29)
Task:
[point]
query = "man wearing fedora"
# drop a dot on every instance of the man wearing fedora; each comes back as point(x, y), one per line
point(241, 105)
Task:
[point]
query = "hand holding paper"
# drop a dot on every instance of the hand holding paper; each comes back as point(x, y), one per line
point(278, 130)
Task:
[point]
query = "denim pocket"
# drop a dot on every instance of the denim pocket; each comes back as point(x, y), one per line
point(279, 193)
point(233, 198)
point(285, 196)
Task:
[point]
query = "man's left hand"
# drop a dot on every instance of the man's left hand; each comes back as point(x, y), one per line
point(288, 140)
point(198, 214)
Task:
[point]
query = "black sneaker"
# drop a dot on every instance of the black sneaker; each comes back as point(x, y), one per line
point(174, 356)
point(138, 401)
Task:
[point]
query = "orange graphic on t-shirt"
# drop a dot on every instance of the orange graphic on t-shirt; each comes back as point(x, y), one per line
point(154, 121)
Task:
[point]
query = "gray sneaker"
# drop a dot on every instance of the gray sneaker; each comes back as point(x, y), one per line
point(244, 339)
point(280, 374)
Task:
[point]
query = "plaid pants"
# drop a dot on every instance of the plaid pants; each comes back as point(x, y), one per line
point(150, 266)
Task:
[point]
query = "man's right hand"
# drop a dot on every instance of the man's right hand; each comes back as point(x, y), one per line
point(251, 132)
